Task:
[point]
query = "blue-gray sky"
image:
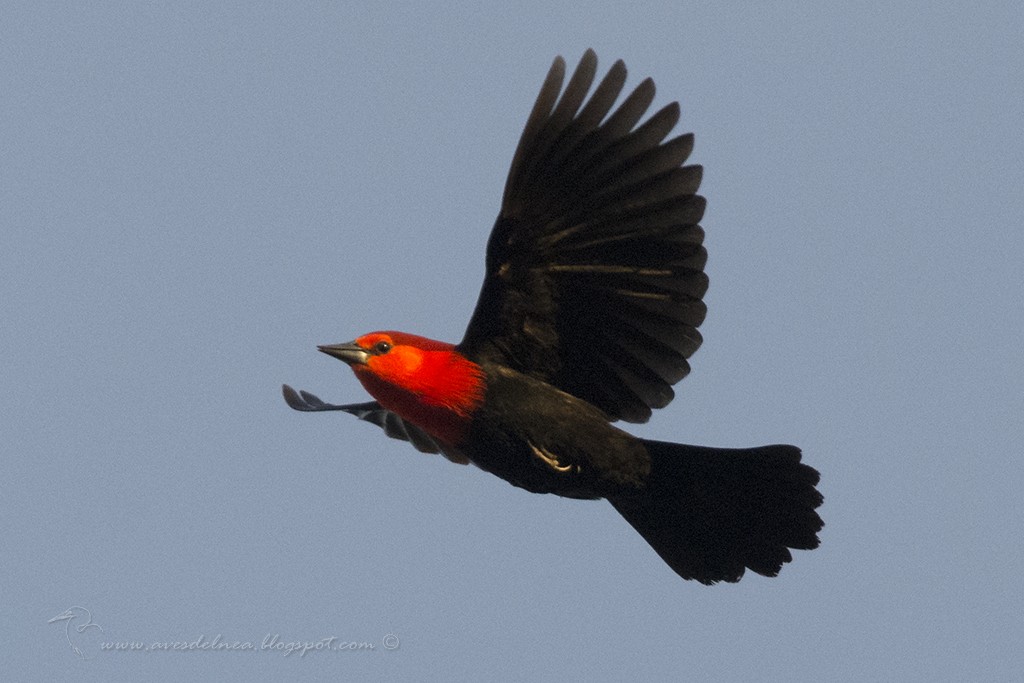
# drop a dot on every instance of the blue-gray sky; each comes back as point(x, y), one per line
point(193, 197)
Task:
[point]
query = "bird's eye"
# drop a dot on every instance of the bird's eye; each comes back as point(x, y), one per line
point(381, 347)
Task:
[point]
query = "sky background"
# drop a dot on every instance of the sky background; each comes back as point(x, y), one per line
point(192, 197)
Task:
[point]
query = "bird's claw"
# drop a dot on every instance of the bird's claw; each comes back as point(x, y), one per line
point(552, 461)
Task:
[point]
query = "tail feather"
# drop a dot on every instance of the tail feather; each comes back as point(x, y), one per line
point(711, 513)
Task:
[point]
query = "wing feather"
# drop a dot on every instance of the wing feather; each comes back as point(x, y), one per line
point(595, 266)
point(374, 413)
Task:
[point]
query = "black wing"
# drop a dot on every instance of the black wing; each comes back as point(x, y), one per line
point(393, 426)
point(595, 266)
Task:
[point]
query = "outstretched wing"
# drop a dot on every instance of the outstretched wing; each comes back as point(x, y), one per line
point(595, 266)
point(393, 426)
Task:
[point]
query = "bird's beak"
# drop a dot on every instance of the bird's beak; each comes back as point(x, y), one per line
point(351, 353)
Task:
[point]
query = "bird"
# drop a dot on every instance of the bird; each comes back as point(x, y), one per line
point(587, 316)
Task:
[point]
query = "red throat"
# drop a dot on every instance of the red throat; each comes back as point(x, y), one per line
point(425, 382)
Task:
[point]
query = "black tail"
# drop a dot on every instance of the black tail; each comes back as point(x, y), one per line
point(711, 512)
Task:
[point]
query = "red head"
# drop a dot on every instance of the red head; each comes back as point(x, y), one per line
point(425, 382)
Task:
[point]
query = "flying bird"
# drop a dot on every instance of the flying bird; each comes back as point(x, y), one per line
point(588, 315)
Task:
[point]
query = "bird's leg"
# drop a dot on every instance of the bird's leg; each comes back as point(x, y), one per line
point(551, 460)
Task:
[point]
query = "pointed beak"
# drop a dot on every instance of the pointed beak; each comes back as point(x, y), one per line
point(350, 353)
